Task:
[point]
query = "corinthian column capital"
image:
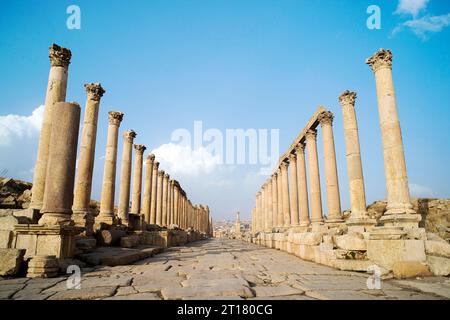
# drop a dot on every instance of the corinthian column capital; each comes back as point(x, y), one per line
point(151, 158)
point(59, 56)
point(292, 157)
point(140, 148)
point(115, 117)
point(381, 59)
point(94, 90)
point(326, 118)
point(156, 165)
point(284, 165)
point(129, 135)
point(347, 97)
point(311, 134)
point(300, 148)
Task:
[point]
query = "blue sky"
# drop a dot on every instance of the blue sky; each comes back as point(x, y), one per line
point(233, 64)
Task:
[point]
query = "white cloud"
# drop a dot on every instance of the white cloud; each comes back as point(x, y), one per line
point(13, 127)
point(412, 7)
point(176, 159)
point(423, 26)
point(419, 191)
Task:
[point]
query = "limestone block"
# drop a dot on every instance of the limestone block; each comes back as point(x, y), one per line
point(306, 252)
point(410, 269)
point(10, 261)
point(385, 253)
point(437, 248)
point(310, 238)
point(5, 239)
point(439, 266)
point(353, 241)
point(129, 241)
point(351, 265)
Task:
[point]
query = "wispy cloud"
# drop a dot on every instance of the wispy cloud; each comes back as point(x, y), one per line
point(15, 127)
point(424, 26)
point(412, 7)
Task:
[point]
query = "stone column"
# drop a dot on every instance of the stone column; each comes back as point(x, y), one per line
point(56, 92)
point(58, 194)
point(148, 187)
point(82, 196)
point(154, 195)
point(258, 212)
point(176, 209)
point(165, 199)
point(314, 178)
point(400, 211)
point(285, 194)
point(274, 200)
point(280, 217)
point(269, 205)
point(359, 214)
point(294, 189)
point(170, 203)
point(125, 177)
point(331, 176)
point(106, 214)
point(302, 185)
point(159, 202)
point(265, 208)
point(137, 179)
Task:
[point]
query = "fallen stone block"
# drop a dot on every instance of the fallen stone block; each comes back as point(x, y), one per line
point(437, 248)
point(439, 266)
point(10, 261)
point(352, 241)
point(410, 269)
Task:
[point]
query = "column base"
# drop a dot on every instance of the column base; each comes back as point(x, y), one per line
point(55, 219)
point(405, 220)
point(360, 224)
point(106, 219)
point(84, 219)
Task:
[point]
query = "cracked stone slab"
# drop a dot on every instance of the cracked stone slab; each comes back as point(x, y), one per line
point(84, 294)
point(274, 291)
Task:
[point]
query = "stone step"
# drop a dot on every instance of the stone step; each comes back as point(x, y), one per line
point(116, 256)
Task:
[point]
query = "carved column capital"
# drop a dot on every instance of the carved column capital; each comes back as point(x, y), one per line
point(129, 135)
point(59, 56)
point(140, 148)
point(292, 157)
point(156, 165)
point(94, 90)
point(381, 59)
point(151, 158)
point(347, 98)
point(284, 165)
point(326, 118)
point(311, 134)
point(166, 176)
point(300, 148)
point(115, 117)
point(161, 173)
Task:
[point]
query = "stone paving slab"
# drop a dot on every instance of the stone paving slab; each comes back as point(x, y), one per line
point(222, 269)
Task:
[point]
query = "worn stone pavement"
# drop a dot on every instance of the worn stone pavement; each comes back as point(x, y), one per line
point(222, 269)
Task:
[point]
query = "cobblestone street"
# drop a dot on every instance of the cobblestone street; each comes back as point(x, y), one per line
point(222, 269)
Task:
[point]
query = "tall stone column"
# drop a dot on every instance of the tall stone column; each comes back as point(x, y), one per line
point(106, 214)
point(58, 195)
point(359, 214)
point(269, 205)
point(82, 215)
point(314, 178)
point(302, 185)
point(165, 199)
point(170, 203)
point(176, 200)
point(137, 179)
point(56, 92)
point(400, 211)
point(331, 176)
point(148, 187)
point(258, 212)
point(159, 203)
point(280, 216)
point(125, 177)
point(285, 194)
point(294, 189)
point(274, 200)
point(154, 196)
point(266, 207)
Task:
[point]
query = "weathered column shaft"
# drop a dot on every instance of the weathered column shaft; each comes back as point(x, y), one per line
point(125, 177)
point(56, 92)
point(106, 214)
point(165, 199)
point(154, 196)
point(149, 179)
point(285, 194)
point(331, 176)
point(293, 189)
point(302, 186)
point(159, 203)
point(269, 204)
point(280, 216)
point(137, 181)
point(274, 200)
point(58, 195)
point(398, 197)
point(82, 194)
point(176, 209)
point(314, 178)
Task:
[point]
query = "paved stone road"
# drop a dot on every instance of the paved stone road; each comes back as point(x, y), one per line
point(223, 269)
